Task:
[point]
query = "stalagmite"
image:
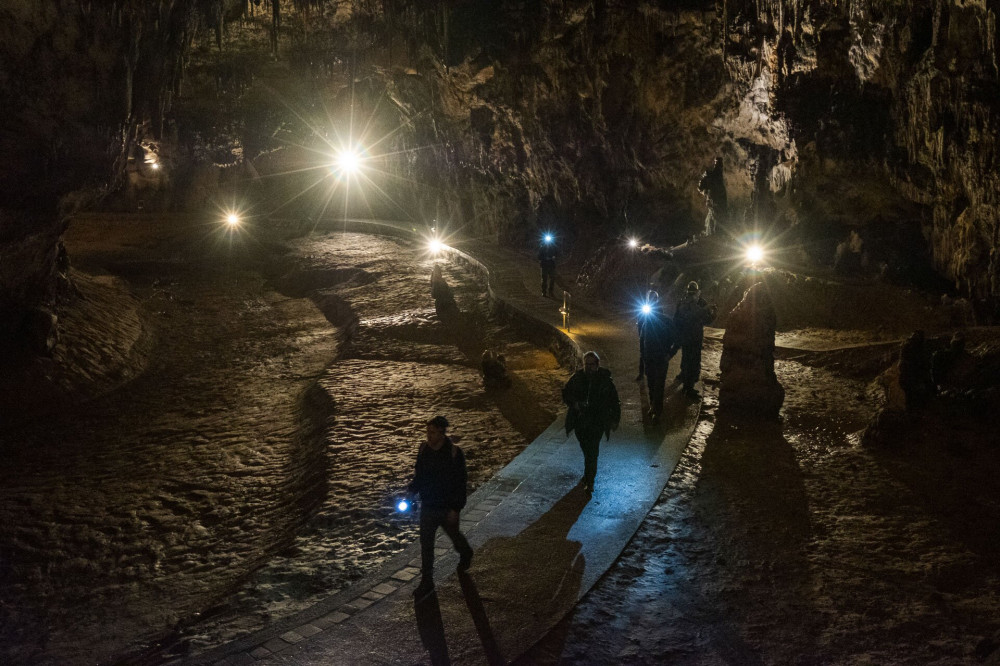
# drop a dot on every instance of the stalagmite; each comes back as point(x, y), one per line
point(749, 385)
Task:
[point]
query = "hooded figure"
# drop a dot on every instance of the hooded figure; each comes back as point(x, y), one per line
point(594, 410)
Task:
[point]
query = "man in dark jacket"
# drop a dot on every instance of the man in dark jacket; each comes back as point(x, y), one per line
point(594, 410)
point(690, 319)
point(440, 479)
point(658, 347)
point(547, 254)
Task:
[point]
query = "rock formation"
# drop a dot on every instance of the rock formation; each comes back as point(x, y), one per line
point(748, 384)
point(502, 116)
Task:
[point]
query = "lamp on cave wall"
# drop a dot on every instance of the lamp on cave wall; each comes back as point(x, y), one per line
point(348, 162)
point(755, 254)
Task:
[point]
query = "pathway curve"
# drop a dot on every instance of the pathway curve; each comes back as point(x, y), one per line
point(541, 542)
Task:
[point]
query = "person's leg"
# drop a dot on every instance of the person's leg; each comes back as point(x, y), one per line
point(590, 443)
point(687, 362)
point(656, 376)
point(691, 366)
point(430, 519)
point(460, 542)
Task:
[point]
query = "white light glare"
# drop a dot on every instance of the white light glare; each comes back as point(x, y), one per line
point(233, 219)
point(403, 505)
point(632, 242)
point(548, 238)
point(755, 253)
point(348, 161)
point(646, 308)
point(435, 245)
point(155, 166)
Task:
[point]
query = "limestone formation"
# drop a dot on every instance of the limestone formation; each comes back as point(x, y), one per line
point(749, 385)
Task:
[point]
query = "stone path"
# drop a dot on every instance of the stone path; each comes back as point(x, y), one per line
point(541, 542)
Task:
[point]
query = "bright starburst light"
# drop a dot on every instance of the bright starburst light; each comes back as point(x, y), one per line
point(755, 254)
point(633, 242)
point(403, 506)
point(232, 219)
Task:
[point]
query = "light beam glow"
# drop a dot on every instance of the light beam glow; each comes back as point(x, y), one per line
point(633, 242)
point(232, 219)
point(755, 254)
point(403, 506)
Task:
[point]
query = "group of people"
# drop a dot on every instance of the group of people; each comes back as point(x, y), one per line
point(662, 336)
point(594, 409)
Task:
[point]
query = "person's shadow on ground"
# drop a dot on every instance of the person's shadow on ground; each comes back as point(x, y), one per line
point(518, 587)
point(430, 626)
point(536, 575)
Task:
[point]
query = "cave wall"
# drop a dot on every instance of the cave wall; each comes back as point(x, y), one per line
point(587, 117)
point(893, 109)
point(77, 80)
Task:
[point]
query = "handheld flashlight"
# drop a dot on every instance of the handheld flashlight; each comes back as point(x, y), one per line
point(646, 308)
point(548, 238)
point(755, 253)
point(403, 506)
point(633, 243)
point(233, 219)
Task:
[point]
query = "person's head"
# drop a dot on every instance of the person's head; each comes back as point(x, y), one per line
point(437, 429)
point(436, 272)
point(692, 289)
point(591, 362)
point(652, 297)
point(718, 162)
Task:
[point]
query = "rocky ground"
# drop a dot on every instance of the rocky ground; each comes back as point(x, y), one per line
point(790, 543)
point(254, 401)
point(255, 405)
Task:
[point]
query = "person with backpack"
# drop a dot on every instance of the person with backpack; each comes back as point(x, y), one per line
point(440, 479)
point(594, 410)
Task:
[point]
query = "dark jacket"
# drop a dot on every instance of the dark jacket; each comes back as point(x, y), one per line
point(440, 477)
point(690, 319)
point(657, 337)
point(547, 256)
point(593, 402)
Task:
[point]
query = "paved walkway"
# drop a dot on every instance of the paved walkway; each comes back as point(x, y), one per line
point(541, 542)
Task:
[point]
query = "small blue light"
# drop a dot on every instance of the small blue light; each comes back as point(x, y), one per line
point(646, 308)
point(548, 238)
point(403, 506)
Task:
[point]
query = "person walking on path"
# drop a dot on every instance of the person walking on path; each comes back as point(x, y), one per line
point(594, 410)
point(690, 318)
point(547, 254)
point(440, 478)
point(658, 342)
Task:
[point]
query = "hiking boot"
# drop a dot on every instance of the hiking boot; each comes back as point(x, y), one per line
point(464, 562)
point(425, 587)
